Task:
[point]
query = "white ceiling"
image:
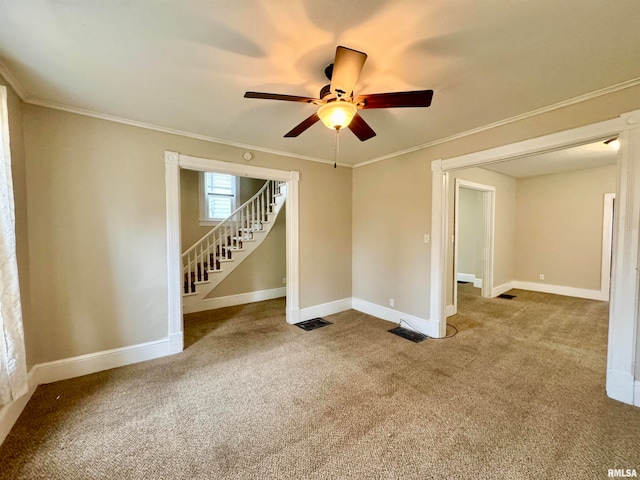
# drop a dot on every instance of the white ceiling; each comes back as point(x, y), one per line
point(593, 155)
point(185, 64)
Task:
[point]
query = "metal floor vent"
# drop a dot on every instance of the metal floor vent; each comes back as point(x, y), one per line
point(506, 296)
point(312, 324)
point(415, 337)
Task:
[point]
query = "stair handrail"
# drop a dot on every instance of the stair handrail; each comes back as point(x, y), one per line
point(204, 255)
point(204, 237)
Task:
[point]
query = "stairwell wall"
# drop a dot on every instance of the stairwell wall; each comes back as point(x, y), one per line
point(264, 269)
point(96, 192)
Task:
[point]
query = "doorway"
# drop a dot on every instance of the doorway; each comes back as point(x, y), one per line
point(623, 321)
point(174, 161)
point(474, 214)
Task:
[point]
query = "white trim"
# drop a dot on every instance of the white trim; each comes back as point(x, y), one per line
point(561, 290)
point(620, 386)
point(237, 299)
point(465, 277)
point(623, 309)
point(607, 244)
point(11, 80)
point(572, 101)
point(174, 253)
point(174, 248)
point(172, 131)
point(450, 310)
point(500, 289)
point(623, 317)
point(9, 413)
point(96, 362)
point(636, 394)
point(439, 232)
point(112, 118)
point(324, 309)
point(426, 327)
point(50, 372)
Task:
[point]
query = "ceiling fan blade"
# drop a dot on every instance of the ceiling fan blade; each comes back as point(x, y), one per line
point(361, 129)
point(277, 96)
point(298, 129)
point(416, 98)
point(346, 70)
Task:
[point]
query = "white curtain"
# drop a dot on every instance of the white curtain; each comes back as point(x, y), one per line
point(13, 368)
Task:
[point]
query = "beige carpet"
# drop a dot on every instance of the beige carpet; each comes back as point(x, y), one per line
point(518, 393)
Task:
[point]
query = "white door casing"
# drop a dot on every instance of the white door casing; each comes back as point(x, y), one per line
point(174, 161)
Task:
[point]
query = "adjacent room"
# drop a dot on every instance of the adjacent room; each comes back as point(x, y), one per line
point(319, 239)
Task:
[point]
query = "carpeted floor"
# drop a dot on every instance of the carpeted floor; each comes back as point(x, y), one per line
point(518, 393)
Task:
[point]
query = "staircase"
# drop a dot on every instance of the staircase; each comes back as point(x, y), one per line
point(212, 258)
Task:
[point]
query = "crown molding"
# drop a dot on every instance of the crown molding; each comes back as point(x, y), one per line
point(172, 131)
point(565, 103)
point(13, 83)
point(148, 126)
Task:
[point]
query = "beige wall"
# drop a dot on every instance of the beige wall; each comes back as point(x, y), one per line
point(18, 171)
point(559, 227)
point(392, 203)
point(391, 215)
point(504, 223)
point(97, 229)
point(190, 228)
point(470, 232)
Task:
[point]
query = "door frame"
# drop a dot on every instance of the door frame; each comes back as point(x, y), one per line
point(607, 245)
point(174, 161)
point(623, 306)
point(489, 213)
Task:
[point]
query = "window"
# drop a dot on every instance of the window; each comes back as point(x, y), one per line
point(218, 196)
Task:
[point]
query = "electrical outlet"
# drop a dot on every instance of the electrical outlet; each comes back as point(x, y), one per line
point(284, 280)
point(542, 276)
point(426, 238)
point(391, 302)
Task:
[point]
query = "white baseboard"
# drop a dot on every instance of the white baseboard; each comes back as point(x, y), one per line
point(233, 300)
point(176, 343)
point(323, 309)
point(450, 310)
point(621, 386)
point(636, 394)
point(96, 362)
point(561, 290)
point(427, 327)
point(500, 289)
point(9, 413)
point(50, 372)
point(465, 277)
point(469, 277)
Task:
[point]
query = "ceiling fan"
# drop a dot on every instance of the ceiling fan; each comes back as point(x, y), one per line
point(338, 107)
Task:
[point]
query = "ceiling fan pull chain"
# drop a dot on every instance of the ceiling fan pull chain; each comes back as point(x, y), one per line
point(337, 157)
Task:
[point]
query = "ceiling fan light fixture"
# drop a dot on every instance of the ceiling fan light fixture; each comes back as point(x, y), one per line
point(338, 114)
point(613, 143)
